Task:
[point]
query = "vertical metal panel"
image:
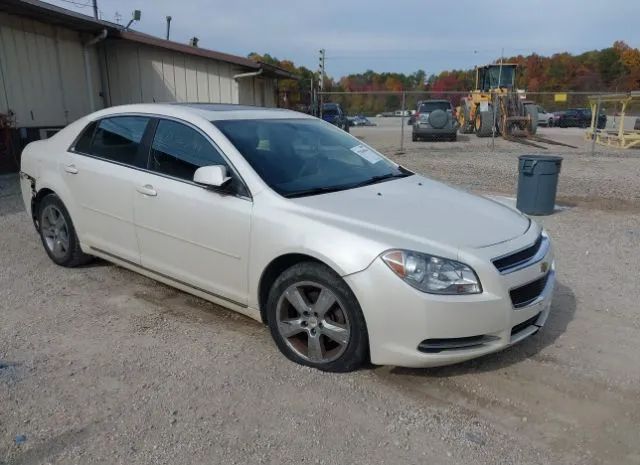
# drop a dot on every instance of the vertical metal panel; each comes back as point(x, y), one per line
point(152, 81)
point(213, 77)
point(128, 74)
point(227, 84)
point(202, 80)
point(75, 88)
point(13, 85)
point(113, 74)
point(179, 73)
point(168, 76)
point(44, 75)
point(190, 66)
point(270, 92)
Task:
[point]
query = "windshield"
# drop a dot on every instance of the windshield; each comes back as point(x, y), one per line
point(329, 111)
point(494, 77)
point(428, 107)
point(298, 157)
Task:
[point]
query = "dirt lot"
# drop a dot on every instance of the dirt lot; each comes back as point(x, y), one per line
point(100, 365)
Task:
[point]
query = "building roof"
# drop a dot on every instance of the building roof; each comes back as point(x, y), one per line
point(51, 14)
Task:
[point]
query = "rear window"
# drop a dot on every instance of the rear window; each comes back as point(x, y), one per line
point(428, 107)
point(330, 111)
point(116, 139)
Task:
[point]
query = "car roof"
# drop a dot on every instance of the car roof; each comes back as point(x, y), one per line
point(208, 111)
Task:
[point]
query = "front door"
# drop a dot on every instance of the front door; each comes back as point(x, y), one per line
point(187, 232)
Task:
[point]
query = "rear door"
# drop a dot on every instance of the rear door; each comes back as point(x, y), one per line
point(103, 169)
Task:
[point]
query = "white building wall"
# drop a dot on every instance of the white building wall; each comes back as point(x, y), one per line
point(144, 73)
point(43, 79)
point(42, 73)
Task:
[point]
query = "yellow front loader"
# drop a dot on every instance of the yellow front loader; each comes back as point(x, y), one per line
point(496, 106)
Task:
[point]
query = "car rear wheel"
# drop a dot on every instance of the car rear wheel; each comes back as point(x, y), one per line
point(315, 319)
point(58, 234)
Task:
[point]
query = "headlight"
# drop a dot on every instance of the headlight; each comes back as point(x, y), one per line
point(431, 274)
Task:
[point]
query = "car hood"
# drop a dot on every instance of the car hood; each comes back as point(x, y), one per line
point(416, 210)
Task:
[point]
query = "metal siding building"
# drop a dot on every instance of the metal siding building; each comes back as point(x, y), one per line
point(42, 73)
point(57, 65)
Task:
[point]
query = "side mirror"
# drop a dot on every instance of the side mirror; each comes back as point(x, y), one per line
point(213, 176)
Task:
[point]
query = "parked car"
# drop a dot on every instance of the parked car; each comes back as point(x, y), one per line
point(556, 117)
point(361, 120)
point(345, 255)
point(434, 119)
point(544, 118)
point(333, 113)
point(581, 118)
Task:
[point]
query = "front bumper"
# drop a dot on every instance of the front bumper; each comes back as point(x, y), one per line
point(405, 325)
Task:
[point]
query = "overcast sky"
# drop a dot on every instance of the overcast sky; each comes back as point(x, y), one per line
point(384, 35)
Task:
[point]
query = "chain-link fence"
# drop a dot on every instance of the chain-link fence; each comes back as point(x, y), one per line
point(397, 120)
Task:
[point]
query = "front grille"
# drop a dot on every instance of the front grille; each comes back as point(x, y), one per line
point(504, 264)
point(524, 295)
point(524, 325)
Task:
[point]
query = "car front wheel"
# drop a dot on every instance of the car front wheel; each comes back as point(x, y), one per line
point(316, 320)
point(58, 234)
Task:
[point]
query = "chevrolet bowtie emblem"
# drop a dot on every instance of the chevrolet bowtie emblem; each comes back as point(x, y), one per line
point(544, 266)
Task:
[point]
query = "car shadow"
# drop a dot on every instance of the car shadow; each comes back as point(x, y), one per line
point(96, 262)
point(563, 308)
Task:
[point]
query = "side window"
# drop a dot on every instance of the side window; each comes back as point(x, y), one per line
point(118, 139)
point(83, 144)
point(179, 150)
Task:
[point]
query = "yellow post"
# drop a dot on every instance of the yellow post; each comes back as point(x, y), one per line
point(621, 130)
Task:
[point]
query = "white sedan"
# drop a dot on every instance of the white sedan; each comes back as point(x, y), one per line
point(544, 118)
point(345, 255)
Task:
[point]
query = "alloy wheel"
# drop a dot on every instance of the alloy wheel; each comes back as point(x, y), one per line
point(55, 231)
point(313, 323)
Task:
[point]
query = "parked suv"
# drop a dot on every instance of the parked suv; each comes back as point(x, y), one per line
point(333, 113)
point(434, 119)
point(580, 118)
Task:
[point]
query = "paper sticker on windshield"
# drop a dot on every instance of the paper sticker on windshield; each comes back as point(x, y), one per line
point(366, 153)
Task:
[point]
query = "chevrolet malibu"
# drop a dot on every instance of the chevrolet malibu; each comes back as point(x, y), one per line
point(348, 257)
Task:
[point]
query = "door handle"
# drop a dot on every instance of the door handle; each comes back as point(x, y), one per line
point(71, 169)
point(147, 189)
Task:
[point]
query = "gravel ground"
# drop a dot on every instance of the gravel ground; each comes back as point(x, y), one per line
point(101, 365)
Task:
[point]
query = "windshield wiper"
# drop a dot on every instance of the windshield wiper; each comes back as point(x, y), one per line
point(315, 191)
point(382, 178)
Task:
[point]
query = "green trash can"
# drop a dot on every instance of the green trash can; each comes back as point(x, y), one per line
point(537, 183)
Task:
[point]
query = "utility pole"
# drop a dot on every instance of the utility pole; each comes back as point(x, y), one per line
point(95, 9)
point(321, 79)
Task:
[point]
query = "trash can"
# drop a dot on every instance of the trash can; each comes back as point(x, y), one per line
point(537, 183)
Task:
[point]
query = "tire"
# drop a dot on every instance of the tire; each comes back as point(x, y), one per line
point(58, 234)
point(414, 138)
point(453, 137)
point(465, 108)
point(532, 111)
point(486, 121)
point(550, 123)
point(293, 327)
